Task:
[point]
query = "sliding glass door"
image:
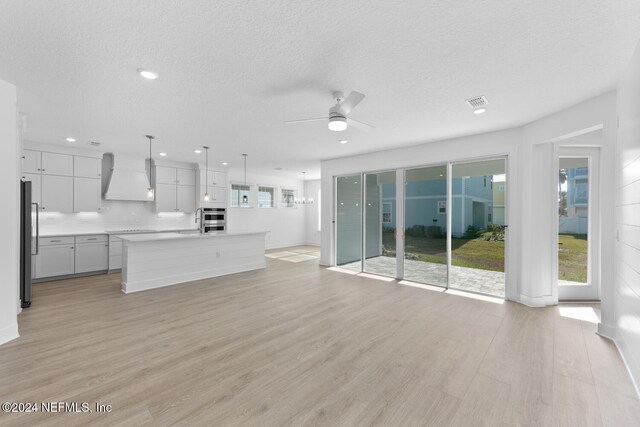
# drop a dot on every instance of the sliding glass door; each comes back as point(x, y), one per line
point(425, 219)
point(448, 219)
point(478, 226)
point(349, 222)
point(380, 223)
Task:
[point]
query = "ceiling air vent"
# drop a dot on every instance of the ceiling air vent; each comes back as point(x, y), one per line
point(94, 143)
point(477, 102)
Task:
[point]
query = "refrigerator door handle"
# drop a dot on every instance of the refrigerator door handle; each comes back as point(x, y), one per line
point(37, 228)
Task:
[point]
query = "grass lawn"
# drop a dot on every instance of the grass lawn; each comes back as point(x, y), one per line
point(572, 257)
point(473, 253)
point(485, 255)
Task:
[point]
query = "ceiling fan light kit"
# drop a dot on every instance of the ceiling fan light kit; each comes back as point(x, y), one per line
point(337, 123)
point(338, 119)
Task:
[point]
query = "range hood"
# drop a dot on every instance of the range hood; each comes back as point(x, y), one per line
point(128, 179)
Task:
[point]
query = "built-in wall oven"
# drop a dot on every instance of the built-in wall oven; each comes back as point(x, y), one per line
point(212, 219)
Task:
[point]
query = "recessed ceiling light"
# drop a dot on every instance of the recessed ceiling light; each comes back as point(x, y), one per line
point(343, 141)
point(149, 75)
point(197, 151)
point(224, 163)
point(479, 110)
point(71, 139)
point(163, 154)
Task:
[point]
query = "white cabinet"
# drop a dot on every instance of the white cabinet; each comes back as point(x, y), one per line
point(165, 197)
point(213, 178)
point(36, 187)
point(185, 176)
point(87, 194)
point(57, 164)
point(175, 189)
point(55, 260)
point(91, 254)
point(185, 198)
point(217, 195)
point(87, 167)
point(31, 162)
point(57, 193)
point(165, 175)
point(115, 253)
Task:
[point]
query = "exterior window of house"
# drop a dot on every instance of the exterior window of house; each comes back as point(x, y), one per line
point(386, 213)
point(288, 198)
point(442, 207)
point(240, 196)
point(485, 181)
point(266, 197)
point(490, 217)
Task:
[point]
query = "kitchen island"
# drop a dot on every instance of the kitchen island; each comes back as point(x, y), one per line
point(161, 259)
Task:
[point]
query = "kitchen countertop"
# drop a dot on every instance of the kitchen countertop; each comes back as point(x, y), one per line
point(50, 234)
point(150, 237)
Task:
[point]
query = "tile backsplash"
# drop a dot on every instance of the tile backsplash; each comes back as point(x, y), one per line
point(114, 215)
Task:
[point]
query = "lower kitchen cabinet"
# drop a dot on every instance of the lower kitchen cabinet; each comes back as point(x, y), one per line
point(68, 255)
point(55, 260)
point(92, 257)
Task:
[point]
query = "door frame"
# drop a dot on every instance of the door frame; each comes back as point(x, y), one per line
point(591, 290)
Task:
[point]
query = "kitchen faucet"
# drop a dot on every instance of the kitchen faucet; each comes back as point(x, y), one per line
point(201, 227)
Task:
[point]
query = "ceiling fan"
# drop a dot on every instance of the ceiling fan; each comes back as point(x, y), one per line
point(338, 120)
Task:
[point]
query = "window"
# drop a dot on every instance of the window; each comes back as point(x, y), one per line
point(266, 197)
point(442, 207)
point(240, 196)
point(386, 213)
point(288, 198)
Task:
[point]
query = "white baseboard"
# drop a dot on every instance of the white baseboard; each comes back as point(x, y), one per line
point(630, 369)
point(607, 331)
point(536, 301)
point(9, 333)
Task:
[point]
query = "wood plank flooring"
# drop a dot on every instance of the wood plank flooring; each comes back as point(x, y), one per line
point(296, 344)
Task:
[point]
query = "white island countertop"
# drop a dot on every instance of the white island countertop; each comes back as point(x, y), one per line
point(149, 237)
point(155, 260)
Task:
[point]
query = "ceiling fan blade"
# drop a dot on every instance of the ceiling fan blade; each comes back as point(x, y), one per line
point(359, 125)
point(350, 102)
point(307, 120)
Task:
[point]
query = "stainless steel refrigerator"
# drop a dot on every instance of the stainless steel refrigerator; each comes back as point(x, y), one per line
point(29, 233)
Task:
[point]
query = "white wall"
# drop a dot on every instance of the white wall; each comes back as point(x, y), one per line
point(284, 226)
point(312, 232)
point(626, 290)
point(9, 215)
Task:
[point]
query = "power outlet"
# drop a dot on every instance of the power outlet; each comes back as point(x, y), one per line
point(217, 254)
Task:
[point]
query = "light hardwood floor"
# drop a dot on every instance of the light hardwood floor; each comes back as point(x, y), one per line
point(297, 344)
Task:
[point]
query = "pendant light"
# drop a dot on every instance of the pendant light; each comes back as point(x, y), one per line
point(151, 192)
point(245, 198)
point(304, 200)
point(206, 197)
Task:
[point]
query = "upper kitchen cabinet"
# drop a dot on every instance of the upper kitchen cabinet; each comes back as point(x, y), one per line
point(57, 193)
point(185, 176)
point(57, 164)
point(175, 189)
point(87, 167)
point(31, 161)
point(165, 175)
point(36, 187)
point(87, 194)
point(214, 178)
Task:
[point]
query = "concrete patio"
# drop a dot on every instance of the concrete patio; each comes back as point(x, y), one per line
point(464, 278)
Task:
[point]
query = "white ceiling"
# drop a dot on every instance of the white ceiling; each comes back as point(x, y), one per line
point(231, 72)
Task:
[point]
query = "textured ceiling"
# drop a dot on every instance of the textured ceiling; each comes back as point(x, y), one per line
point(231, 72)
